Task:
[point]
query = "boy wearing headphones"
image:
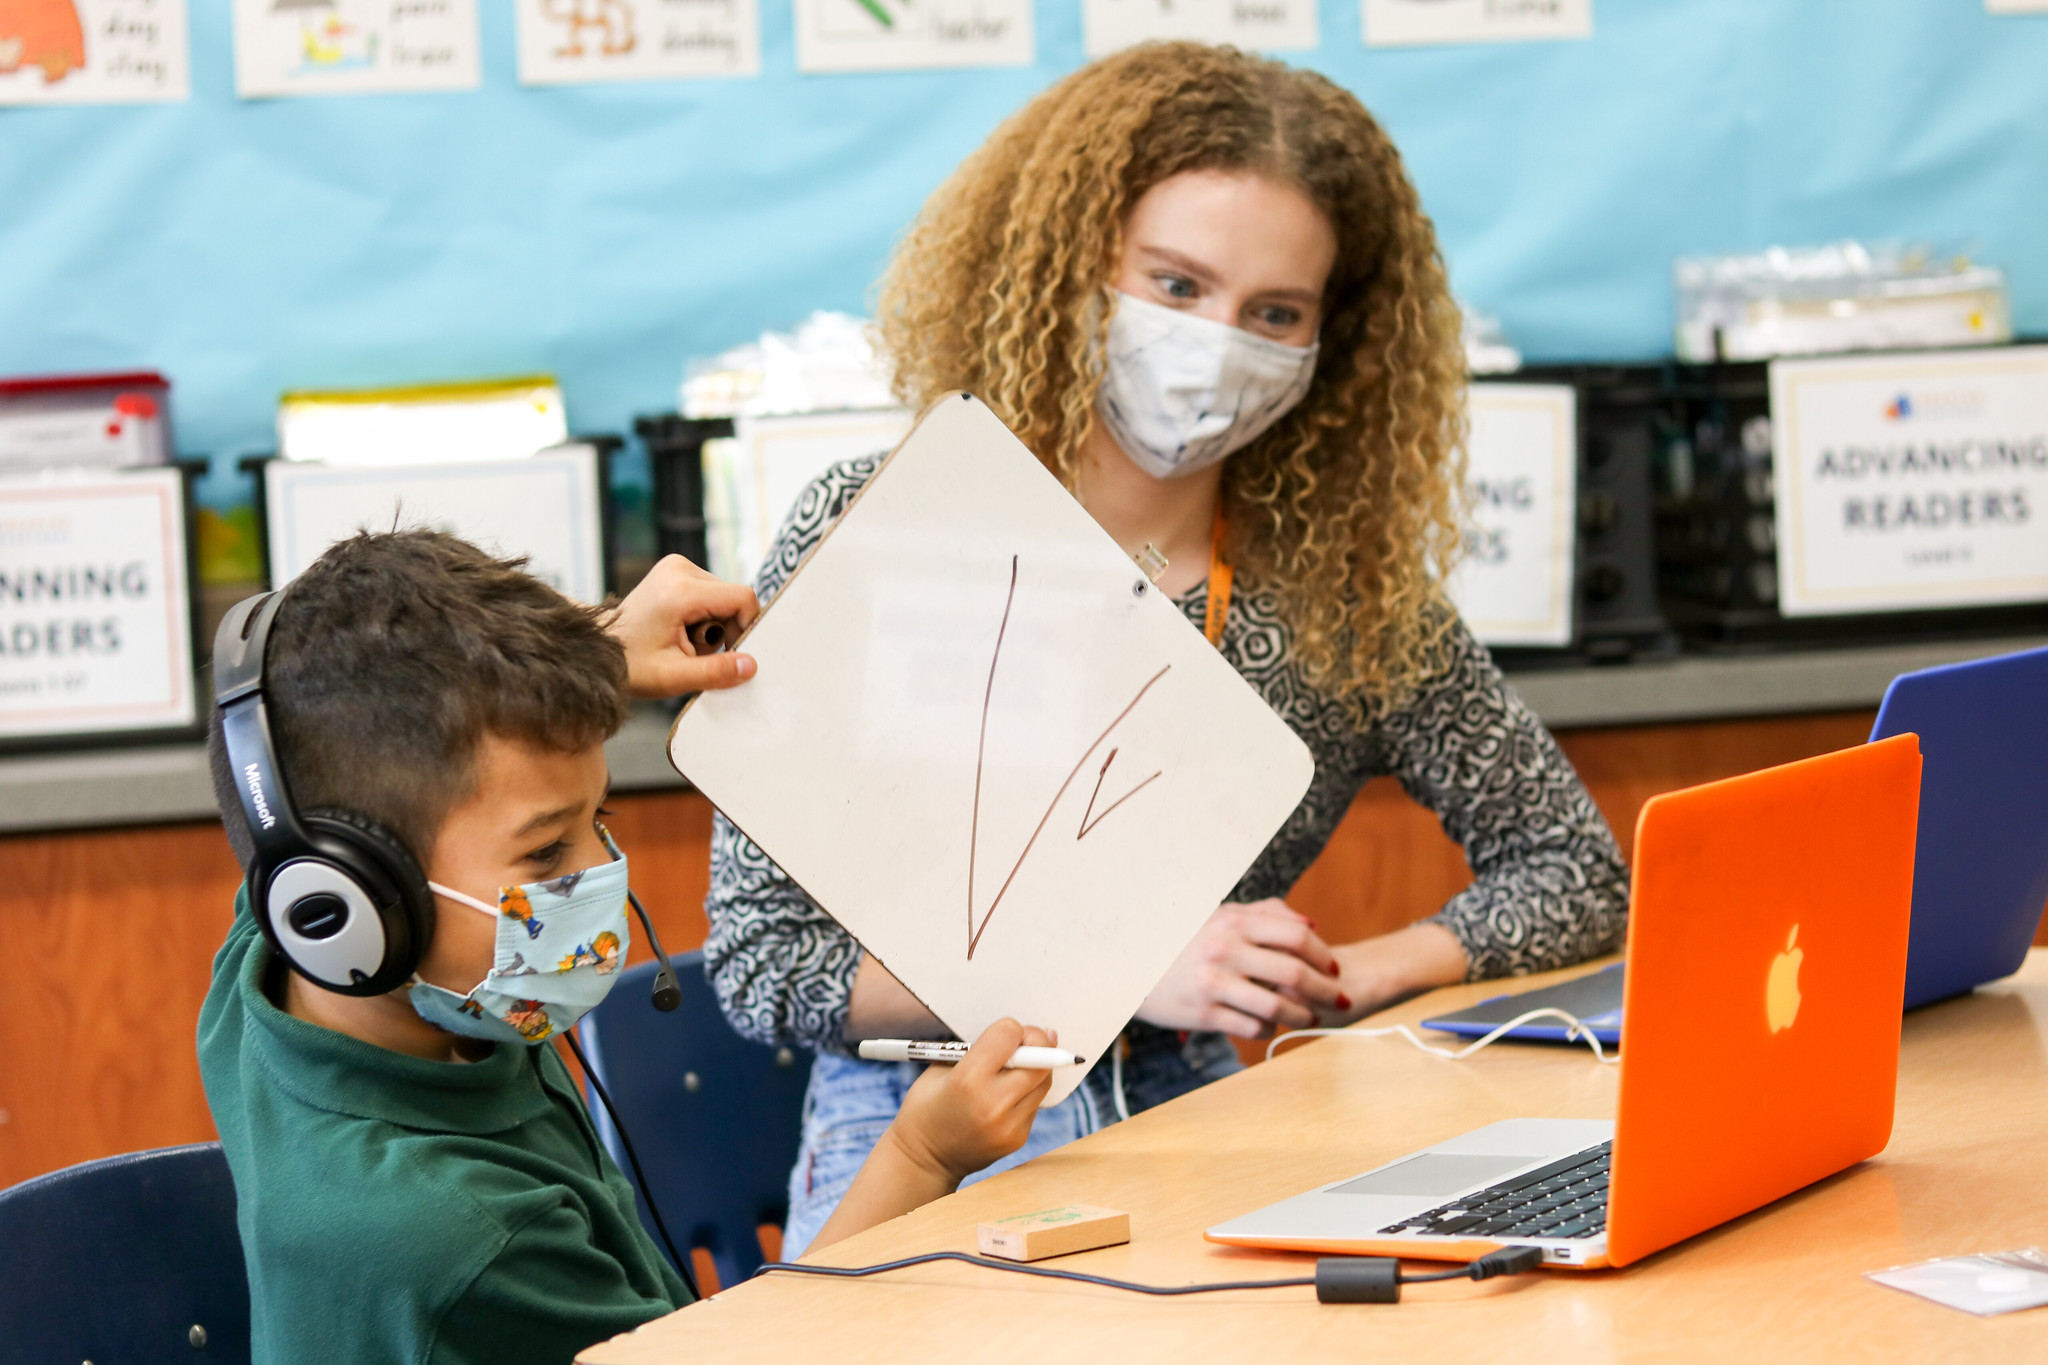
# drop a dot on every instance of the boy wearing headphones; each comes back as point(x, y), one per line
point(408, 749)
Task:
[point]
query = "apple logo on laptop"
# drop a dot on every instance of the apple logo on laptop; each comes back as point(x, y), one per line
point(1781, 992)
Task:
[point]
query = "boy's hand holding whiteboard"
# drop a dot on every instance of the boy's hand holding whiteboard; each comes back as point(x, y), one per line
point(987, 746)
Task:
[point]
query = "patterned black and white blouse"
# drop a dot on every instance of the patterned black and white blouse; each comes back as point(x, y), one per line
point(1549, 887)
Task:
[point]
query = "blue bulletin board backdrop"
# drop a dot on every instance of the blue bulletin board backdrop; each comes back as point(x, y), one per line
point(606, 233)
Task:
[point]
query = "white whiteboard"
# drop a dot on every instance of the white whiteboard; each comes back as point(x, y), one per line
point(544, 506)
point(982, 742)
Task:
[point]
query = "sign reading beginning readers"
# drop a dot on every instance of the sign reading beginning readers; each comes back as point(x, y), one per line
point(1514, 586)
point(95, 604)
point(1911, 481)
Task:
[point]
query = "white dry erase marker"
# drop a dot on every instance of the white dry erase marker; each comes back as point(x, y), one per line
point(1023, 1059)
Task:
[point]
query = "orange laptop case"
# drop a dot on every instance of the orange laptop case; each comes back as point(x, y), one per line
point(1766, 965)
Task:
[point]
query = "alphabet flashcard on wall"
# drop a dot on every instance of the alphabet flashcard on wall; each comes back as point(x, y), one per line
point(912, 35)
point(569, 42)
point(1405, 23)
point(92, 51)
point(1268, 25)
point(354, 47)
point(984, 743)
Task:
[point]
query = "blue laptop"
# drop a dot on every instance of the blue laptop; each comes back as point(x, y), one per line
point(1593, 999)
point(1980, 870)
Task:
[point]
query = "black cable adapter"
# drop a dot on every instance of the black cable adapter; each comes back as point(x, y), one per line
point(1378, 1279)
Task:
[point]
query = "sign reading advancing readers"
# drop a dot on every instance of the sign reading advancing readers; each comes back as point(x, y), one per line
point(546, 506)
point(1911, 481)
point(1514, 586)
point(95, 604)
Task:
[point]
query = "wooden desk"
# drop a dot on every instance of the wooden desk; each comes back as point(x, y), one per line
point(1963, 1174)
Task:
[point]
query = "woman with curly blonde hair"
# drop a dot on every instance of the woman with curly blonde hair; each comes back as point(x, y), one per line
point(1201, 287)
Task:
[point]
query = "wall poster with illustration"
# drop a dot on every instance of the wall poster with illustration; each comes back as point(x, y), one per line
point(93, 51)
point(354, 47)
point(569, 42)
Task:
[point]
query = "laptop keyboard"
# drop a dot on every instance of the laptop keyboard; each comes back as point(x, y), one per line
point(1567, 1198)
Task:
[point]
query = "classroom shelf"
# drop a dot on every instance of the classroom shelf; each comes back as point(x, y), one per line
point(168, 783)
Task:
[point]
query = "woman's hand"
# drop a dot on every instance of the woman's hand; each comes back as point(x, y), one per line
point(1380, 971)
point(654, 621)
point(1251, 970)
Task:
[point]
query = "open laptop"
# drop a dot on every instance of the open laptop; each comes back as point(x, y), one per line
point(1766, 955)
point(1982, 874)
point(1593, 999)
point(1980, 879)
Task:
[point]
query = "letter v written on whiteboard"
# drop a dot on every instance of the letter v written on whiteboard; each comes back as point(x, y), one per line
point(976, 928)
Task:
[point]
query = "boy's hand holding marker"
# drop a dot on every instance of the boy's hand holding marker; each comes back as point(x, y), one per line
point(913, 1050)
point(955, 1121)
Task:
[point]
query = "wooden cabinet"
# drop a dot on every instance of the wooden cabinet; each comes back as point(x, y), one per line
point(107, 937)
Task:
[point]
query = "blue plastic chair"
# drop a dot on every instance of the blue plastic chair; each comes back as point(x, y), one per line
point(715, 1118)
point(134, 1258)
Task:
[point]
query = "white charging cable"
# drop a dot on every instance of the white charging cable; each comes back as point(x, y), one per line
point(1116, 1077)
point(1579, 1031)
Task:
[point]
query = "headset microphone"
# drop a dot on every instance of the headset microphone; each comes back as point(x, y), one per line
point(667, 992)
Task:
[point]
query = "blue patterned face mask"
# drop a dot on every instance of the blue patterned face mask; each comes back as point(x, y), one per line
point(560, 946)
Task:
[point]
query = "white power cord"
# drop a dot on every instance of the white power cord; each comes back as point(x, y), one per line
point(1580, 1031)
point(1116, 1077)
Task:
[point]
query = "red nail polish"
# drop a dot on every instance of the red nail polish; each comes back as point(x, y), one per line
point(1343, 1002)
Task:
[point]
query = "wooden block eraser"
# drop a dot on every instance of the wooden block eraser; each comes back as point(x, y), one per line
point(1053, 1232)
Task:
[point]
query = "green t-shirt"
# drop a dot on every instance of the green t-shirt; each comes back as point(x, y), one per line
point(394, 1209)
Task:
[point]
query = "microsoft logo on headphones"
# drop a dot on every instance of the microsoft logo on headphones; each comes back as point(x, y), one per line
point(254, 776)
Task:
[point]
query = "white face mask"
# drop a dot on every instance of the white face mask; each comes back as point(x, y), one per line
point(1179, 392)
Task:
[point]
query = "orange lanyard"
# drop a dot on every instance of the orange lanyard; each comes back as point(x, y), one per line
point(1218, 610)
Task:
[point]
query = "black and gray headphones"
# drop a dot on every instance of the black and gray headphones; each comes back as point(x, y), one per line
point(341, 900)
